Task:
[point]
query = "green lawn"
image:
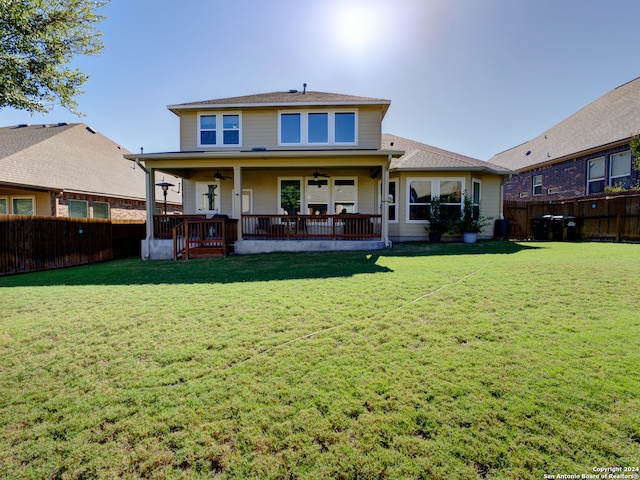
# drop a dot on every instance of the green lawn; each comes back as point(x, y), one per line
point(494, 360)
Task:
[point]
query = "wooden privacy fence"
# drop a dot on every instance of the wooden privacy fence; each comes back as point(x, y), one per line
point(30, 243)
point(613, 217)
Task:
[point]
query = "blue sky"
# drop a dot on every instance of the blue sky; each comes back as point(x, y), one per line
point(472, 76)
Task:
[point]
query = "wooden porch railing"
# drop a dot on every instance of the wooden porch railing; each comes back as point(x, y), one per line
point(312, 227)
point(163, 225)
point(196, 237)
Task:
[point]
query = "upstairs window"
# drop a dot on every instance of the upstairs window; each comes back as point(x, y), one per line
point(620, 170)
point(219, 130)
point(318, 128)
point(537, 184)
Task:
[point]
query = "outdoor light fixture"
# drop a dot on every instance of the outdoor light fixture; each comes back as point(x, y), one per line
point(164, 186)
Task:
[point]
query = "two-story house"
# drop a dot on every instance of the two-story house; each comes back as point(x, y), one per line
point(302, 170)
point(585, 154)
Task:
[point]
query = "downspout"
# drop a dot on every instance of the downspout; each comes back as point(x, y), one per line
point(150, 204)
point(384, 201)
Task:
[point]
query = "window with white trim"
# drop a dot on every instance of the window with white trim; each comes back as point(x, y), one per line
point(422, 190)
point(100, 210)
point(78, 209)
point(391, 200)
point(345, 192)
point(595, 175)
point(334, 127)
point(4, 205)
point(208, 197)
point(537, 184)
point(317, 196)
point(420, 194)
point(219, 129)
point(290, 196)
point(23, 205)
point(620, 169)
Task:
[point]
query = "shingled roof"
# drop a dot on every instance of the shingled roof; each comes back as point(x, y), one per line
point(292, 97)
point(420, 157)
point(72, 157)
point(612, 118)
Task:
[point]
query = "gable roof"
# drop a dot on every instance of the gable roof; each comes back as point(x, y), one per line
point(72, 157)
point(420, 157)
point(611, 119)
point(277, 99)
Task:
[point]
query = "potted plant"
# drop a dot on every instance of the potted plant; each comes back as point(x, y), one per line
point(471, 221)
point(439, 220)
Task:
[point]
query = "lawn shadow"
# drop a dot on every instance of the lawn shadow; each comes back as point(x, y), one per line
point(483, 247)
point(250, 268)
point(234, 269)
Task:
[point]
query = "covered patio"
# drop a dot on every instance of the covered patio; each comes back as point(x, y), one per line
point(271, 201)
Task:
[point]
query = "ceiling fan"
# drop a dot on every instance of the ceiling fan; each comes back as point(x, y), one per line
point(317, 174)
point(218, 176)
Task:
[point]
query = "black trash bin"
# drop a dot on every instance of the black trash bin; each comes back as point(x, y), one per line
point(501, 229)
point(541, 227)
point(564, 228)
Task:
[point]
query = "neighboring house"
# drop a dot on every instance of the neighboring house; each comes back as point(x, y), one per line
point(309, 171)
point(70, 170)
point(585, 154)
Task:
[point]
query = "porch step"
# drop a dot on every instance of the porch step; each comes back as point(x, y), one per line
point(206, 252)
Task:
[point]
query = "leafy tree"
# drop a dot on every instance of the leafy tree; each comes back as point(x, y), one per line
point(38, 39)
point(635, 149)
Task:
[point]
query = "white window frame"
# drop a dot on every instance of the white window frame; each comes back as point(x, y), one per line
point(435, 192)
point(202, 189)
point(603, 179)
point(304, 127)
point(7, 204)
point(305, 200)
point(219, 129)
point(333, 192)
point(536, 183)
point(93, 206)
point(248, 193)
point(612, 179)
point(23, 197)
point(74, 200)
point(389, 203)
point(302, 198)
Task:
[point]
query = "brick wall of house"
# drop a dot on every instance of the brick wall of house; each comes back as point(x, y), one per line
point(566, 179)
point(119, 208)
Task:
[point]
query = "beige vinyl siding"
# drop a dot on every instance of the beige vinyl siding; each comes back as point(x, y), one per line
point(189, 195)
point(260, 129)
point(490, 202)
point(188, 131)
point(369, 127)
point(490, 199)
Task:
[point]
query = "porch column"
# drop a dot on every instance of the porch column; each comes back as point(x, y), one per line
point(385, 203)
point(151, 200)
point(237, 198)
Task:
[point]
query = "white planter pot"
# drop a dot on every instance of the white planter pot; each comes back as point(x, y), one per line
point(469, 237)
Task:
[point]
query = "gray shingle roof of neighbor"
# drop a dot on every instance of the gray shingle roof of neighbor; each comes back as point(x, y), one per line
point(291, 97)
point(612, 118)
point(421, 157)
point(72, 157)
